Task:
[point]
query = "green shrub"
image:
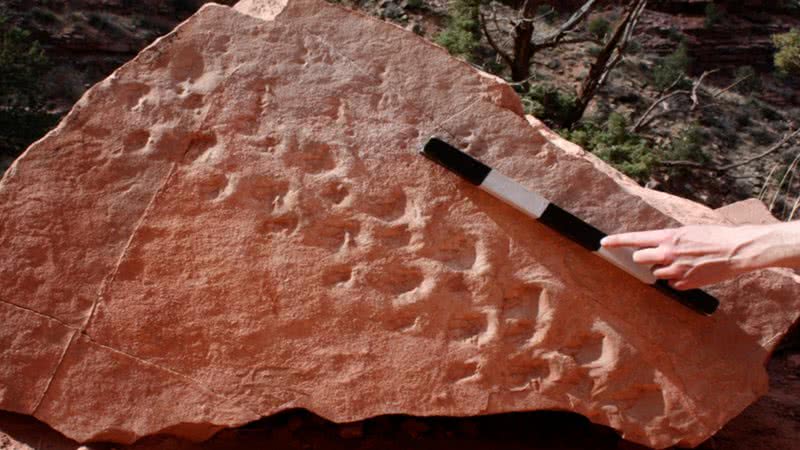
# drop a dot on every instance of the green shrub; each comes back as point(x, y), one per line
point(633, 48)
point(750, 79)
point(687, 146)
point(462, 33)
point(713, 15)
point(415, 4)
point(594, 50)
point(629, 153)
point(23, 117)
point(787, 58)
point(671, 67)
point(550, 104)
point(22, 63)
point(107, 23)
point(599, 27)
point(494, 67)
point(675, 34)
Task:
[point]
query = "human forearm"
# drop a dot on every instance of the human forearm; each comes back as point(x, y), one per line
point(776, 245)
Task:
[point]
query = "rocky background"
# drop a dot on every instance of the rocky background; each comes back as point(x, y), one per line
point(84, 41)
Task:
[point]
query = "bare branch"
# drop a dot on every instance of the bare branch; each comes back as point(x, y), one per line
point(646, 119)
point(673, 85)
point(577, 40)
point(506, 57)
point(608, 57)
point(642, 119)
point(775, 147)
point(571, 23)
point(545, 15)
point(681, 163)
point(714, 95)
point(696, 86)
point(772, 149)
point(732, 85)
point(790, 170)
point(767, 180)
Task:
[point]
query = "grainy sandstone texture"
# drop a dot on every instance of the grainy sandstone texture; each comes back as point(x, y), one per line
point(238, 222)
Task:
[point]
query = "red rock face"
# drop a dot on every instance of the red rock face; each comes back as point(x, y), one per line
point(238, 222)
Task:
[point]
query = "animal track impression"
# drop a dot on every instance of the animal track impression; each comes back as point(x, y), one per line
point(466, 325)
point(313, 158)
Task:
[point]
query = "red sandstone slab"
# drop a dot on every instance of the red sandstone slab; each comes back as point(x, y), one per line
point(262, 234)
point(32, 345)
point(122, 412)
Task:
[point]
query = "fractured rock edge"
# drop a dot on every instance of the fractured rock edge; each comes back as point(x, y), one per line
point(710, 217)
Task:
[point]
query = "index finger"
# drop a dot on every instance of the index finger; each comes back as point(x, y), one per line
point(651, 238)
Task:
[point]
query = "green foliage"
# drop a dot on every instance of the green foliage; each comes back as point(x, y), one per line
point(549, 104)
point(671, 67)
point(462, 33)
point(633, 48)
point(750, 79)
point(629, 153)
point(147, 23)
point(23, 63)
point(687, 146)
point(107, 23)
point(599, 27)
point(675, 34)
point(494, 67)
point(787, 58)
point(415, 4)
point(713, 15)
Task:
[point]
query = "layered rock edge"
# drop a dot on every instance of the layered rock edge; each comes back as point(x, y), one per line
point(237, 222)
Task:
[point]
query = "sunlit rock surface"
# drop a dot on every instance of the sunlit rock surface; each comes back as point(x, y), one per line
point(237, 222)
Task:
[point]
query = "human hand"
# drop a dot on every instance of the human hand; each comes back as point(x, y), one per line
point(696, 255)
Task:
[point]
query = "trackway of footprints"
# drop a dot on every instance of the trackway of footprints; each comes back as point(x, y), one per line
point(308, 191)
point(430, 262)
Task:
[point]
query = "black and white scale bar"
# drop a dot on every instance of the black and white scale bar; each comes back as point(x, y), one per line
point(558, 219)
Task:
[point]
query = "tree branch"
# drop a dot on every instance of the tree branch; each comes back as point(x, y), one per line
point(772, 149)
point(571, 23)
point(506, 57)
point(692, 164)
point(696, 86)
point(608, 58)
point(775, 147)
point(577, 40)
point(645, 118)
point(641, 122)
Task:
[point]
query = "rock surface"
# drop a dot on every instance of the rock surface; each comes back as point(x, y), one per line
point(237, 223)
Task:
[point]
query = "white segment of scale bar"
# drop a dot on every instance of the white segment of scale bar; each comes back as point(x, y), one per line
point(514, 194)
